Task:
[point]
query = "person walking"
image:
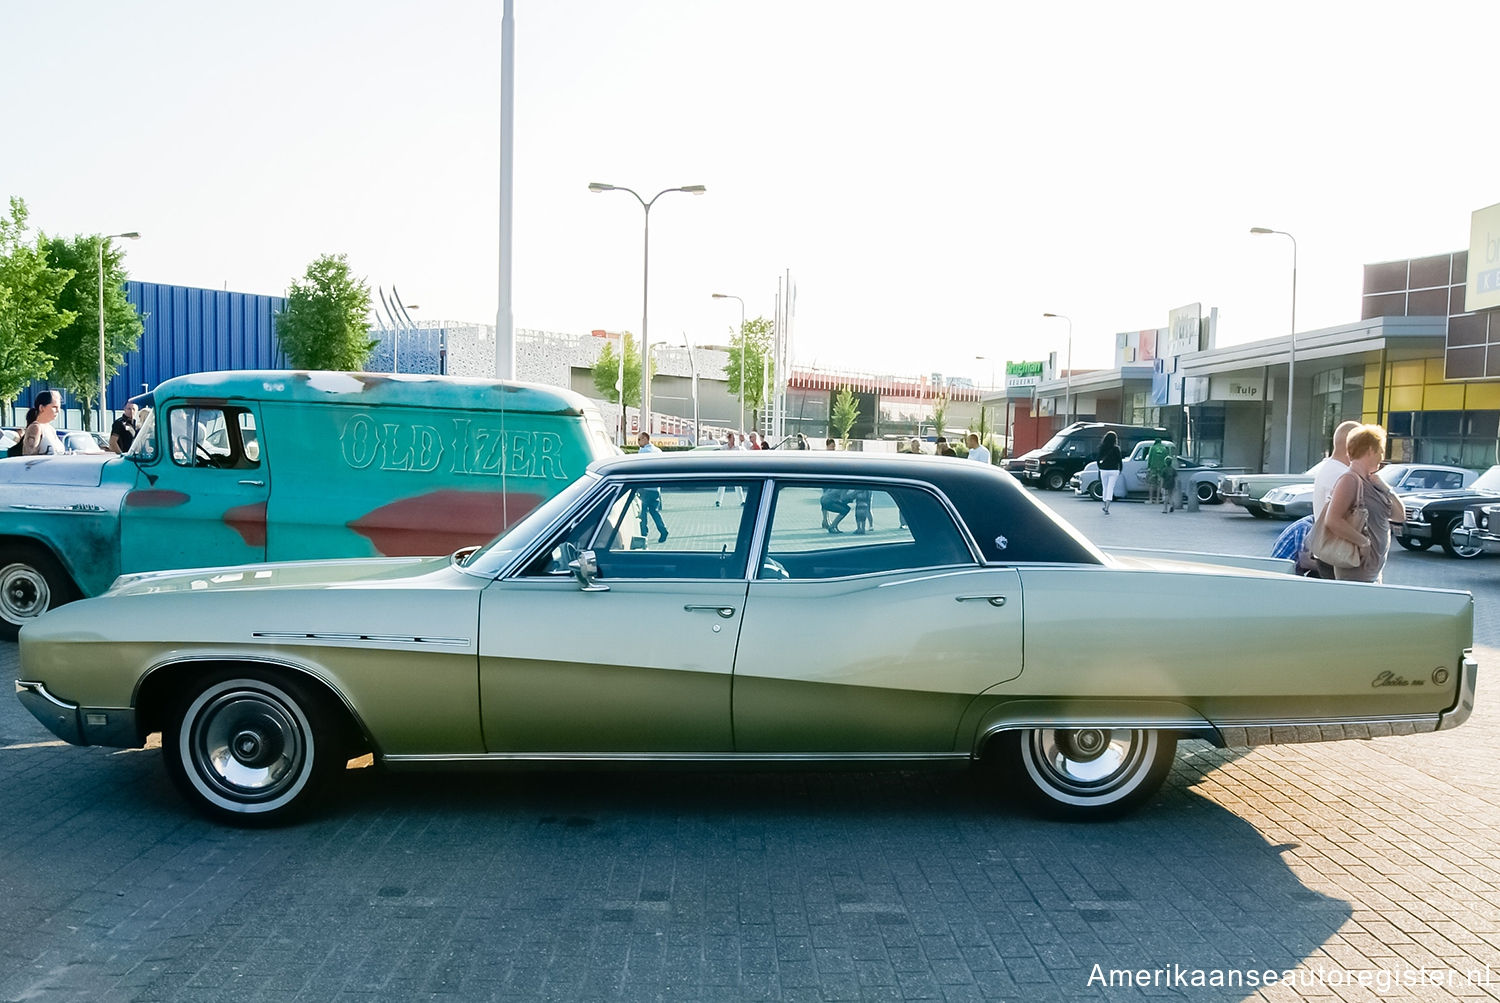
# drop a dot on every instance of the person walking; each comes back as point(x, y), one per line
point(1333, 468)
point(1156, 463)
point(651, 497)
point(1110, 464)
point(1362, 508)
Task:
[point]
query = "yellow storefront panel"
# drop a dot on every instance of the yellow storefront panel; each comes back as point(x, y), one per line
point(1404, 398)
point(1443, 398)
point(1409, 373)
point(1482, 396)
point(1371, 402)
point(1435, 372)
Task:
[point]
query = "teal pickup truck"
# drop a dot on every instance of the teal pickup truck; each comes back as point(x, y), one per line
point(245, 467)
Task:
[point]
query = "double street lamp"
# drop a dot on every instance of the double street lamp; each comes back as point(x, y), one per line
point(731, 296)
point(1291, 351)
point(1070, 363)
point(132, 235)
point(645, 294)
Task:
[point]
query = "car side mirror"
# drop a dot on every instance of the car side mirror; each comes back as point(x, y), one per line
point(585, 568)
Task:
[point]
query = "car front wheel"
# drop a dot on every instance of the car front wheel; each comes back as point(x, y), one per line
point(1096, 491)
point(250, 749)
point(1206, 492)
point(1412, 543)
point(31, 582)
point(1084, 774)
point(1454, 550)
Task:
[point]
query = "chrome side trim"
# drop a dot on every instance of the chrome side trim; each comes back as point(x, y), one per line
point(291, 635)
point(1463, 706)
point(1293, 732)
point(1092, 721)
point(59, 716)
point(679, 757)
point(79, 509)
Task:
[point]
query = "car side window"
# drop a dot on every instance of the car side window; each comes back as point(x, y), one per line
point(842, 528)
point(202, 436)
point(664, 529)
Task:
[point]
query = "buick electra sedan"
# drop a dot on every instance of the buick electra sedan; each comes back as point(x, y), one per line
point(739, 608)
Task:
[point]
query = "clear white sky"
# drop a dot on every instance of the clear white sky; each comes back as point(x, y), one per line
point(935, 175)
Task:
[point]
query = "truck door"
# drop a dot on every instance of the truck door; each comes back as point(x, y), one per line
point(200, 499)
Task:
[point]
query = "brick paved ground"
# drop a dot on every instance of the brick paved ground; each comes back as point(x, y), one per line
point(1376, 859)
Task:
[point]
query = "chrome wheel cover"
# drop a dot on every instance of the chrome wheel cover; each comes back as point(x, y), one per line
point(1089, 766)
point(24, 592)
point(246, 746)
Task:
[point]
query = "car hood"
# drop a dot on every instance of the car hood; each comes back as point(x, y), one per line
point(78, 470)
point(1144, 559)
point(1423, 497)
point(355, 572)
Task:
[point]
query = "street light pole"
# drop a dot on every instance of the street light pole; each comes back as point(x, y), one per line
point(731, 296)
point(1070, 362)
point(1291, 352)
point(645, 292)
point(697, 430)
point(132, 235)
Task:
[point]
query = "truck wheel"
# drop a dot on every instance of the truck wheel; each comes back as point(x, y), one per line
point(31, 582)
point(1056, 481)
point(1206, 492)
point(1096, 491)
point(1454, 550)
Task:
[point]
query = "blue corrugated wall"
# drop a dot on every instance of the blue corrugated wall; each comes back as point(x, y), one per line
point(191, 330)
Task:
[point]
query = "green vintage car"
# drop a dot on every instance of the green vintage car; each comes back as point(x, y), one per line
point(736, 608)
point(279, 465)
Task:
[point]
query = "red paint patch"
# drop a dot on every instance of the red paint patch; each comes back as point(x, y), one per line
point(152, 498)
point(441, 522)
point(250, 522)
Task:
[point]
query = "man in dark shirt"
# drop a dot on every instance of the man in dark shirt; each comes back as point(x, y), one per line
point(122, 433)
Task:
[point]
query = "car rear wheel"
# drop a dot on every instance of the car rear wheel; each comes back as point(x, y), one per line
point(1412, 543)
point(1084, 774)
point(251, 749)
point(1056, 480)
point(32, 581)
point(1454, 550)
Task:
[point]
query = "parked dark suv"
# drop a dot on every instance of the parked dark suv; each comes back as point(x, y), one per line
point(1066, 452)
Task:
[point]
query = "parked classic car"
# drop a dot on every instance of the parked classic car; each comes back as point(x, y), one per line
point(1433, 516)
point(274, 464)
point(1201, 477)
point(1248, 490)
point(1052, 464)
point(879, 610)
point(1295, 500)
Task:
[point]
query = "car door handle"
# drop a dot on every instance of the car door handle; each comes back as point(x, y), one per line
point(254, 484)
point(725, 611)
point(992, 600)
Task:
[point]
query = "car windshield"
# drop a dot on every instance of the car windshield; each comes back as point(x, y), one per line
point(1057, 441)
point(1489, 481)
point(1391, 474)
point(492, 558)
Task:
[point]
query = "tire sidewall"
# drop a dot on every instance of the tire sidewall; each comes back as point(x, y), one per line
point(300, 705)
point(1026, 778)
point(34, 562)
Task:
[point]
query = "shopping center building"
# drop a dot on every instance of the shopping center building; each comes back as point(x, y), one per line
point(1416, 362)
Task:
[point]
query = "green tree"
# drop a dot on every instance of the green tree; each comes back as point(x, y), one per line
point(325, 323)
point(76, 344)
point(750, 357)
point(939, 412)
point(29, 313)
point(845, 414)
point(607, 372)
point(986, 433)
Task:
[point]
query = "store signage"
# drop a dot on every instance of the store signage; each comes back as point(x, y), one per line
point(1483, 289)
point(1022, 374)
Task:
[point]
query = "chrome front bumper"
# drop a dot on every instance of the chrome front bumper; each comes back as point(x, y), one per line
point(111, 726)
